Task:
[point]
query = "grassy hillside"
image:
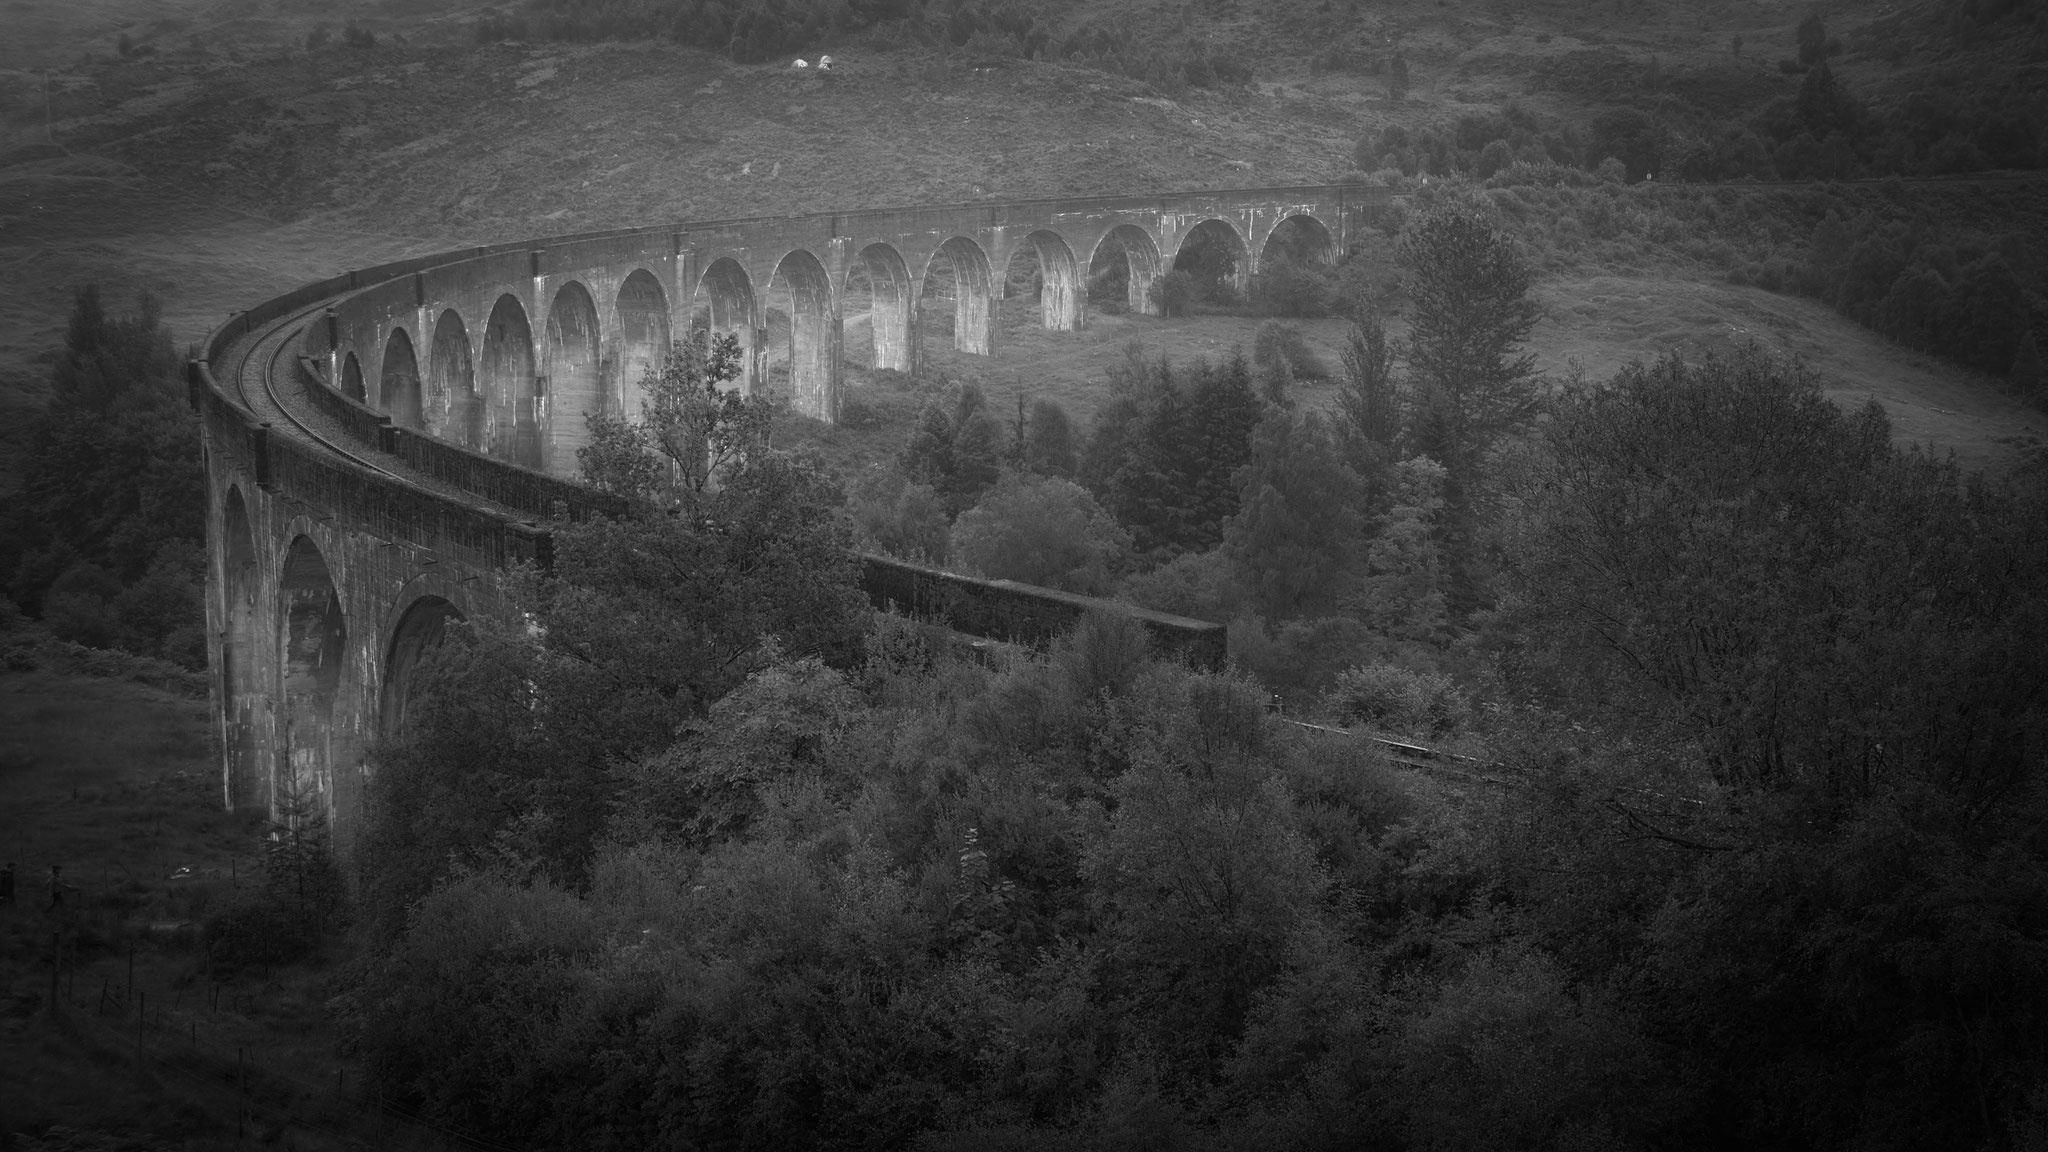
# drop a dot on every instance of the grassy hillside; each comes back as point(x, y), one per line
point(221, 160)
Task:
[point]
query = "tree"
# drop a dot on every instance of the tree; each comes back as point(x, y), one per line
point(1722, 546)
point(1040, 530)
point(958, 452)
point(1050, 445)
point(2026, 365)
point(1368, 400)
point(689, 416)
point(1402, 593)
point(112, 479)
point(1813, 39)
point(1167, 446)
point(1294, 539)
point(1471, 383)
point(895, 515)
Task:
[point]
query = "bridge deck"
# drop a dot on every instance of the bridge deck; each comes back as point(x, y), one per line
point(261, 366)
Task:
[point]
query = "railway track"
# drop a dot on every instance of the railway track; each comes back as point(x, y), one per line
point(262, 356)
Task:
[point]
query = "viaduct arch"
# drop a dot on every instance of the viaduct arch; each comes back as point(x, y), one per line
point(380, 444)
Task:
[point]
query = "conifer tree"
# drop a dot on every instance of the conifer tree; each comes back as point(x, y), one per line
point(1472, 383)
point(1049, 445)
point(1402, 593)
point(2026, 365)
point(1295, 536)
point(1368, 400)
point(1180, 437)
point(111, 479)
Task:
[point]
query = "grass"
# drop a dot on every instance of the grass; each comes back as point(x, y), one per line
point(117, 782)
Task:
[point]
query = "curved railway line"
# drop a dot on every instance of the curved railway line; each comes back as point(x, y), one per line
point(258, 354)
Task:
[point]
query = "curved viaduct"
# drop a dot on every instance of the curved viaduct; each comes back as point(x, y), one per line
point(378, 443)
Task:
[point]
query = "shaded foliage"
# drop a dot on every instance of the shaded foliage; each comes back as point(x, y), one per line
point(102, 541)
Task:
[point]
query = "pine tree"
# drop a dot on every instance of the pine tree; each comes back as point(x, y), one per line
point(1368, 400)
point(1471, 383)
point(2026, 365)
point(1402, 594)
point(1295, 536)
point(1813, 39)
point(1049, 442)
point(299, 872)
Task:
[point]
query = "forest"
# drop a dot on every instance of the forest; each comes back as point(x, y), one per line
point(704, 852)
point(710, 855)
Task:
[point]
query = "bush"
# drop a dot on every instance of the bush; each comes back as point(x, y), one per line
point(1294, 290)
point(1395, 699)
point(1174, 293)
point(900, 518)
point(262, 934)
point(1040, 530)
point(1276, 343)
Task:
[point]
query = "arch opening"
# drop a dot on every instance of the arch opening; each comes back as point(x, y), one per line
point(959, 272)
point(314, 640)
point(725, 299)
point(398, 382)
point(420, 631)
point(454, 411)
point(1295, 269)
point(1123, 269)
point(352, 378)
point(569, 392)
point(242, 770)
point(511, 424)
point(1298, 239)
point(1212, 254)
point(1043, 271)
point(801, 292)
point(643, 341)
point(878, 294)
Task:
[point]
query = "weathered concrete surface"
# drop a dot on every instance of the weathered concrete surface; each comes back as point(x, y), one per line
point(523, 341)
point(442, 404)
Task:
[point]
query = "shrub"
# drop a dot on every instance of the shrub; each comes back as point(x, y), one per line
point(1293, 290)
point(893, 515)
point(261, 934)
point(1276, 343)
point(1040, 530)
point(1395, 699)
point(1174, 293)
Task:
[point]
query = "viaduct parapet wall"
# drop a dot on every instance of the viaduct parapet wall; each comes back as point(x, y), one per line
point(380, 444)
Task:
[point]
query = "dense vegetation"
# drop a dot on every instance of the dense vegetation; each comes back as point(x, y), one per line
point(104, 539)
point(703, 855)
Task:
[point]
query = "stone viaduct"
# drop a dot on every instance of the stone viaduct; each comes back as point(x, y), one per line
point(378, 444)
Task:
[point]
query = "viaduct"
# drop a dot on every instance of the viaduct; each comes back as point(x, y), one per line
point(379, 443)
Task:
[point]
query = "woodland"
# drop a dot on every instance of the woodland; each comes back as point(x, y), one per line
point(712, 855)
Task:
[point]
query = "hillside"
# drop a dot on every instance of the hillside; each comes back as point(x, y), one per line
point(221, 161)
